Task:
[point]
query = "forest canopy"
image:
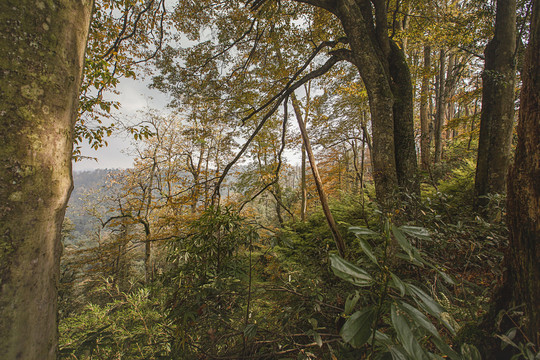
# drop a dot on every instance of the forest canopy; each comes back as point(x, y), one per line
point(331, 179)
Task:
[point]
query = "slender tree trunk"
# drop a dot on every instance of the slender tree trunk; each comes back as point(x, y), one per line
point(42, 46)
point(303, 186)
point(405, 148)
point(318, 182)
point(441, 104)
point(524, 191)
point(424, 115)
point(497, 119)
point(450, 88)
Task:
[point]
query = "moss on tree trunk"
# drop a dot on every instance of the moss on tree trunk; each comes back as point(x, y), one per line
point(42, 47)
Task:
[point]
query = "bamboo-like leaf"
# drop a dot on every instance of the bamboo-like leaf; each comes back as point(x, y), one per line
point(427, 303)
point(402, 241)
point(367, 250)
point(406, 336)
point(398, 353)
point(446, 350)
point(398, 284)
point(419, 318)
point(416, 231)
point(349, 272)
point(362, 231)
point(470, 352)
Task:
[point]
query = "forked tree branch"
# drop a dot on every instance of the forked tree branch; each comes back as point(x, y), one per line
point(284, 94)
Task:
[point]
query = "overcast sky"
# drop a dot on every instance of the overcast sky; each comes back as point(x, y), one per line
point(134, 96)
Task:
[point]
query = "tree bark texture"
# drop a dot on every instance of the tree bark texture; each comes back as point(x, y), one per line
point(42, 46)
point(497, 118)
point(523, 256)
point(424, 114)
point(441, 105)
point(385, 74)
point(404, 143)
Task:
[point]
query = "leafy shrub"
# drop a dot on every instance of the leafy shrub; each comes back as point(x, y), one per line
point(132, 326)
point(398, 324)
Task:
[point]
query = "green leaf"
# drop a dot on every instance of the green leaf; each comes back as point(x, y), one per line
point(398, 353)
point(406, 336)
point(435, 356)
point(398, 284)
point(250, 331)
point(349, 272)
point(350, 303)
point(367, 250)
point(419, 318)
point(362, 231)
point(430, 305)
point(416, 231)
point(445, 349)
point(357, 329)
point(470, 352)
point(402, 241)
point(382, 338)
point(427, 303)
point(317, 338)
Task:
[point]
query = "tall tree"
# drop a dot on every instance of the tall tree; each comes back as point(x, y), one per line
point(523, 257)
point(367, 45)
point(42, 45)
point(424, 115)
point(497, 118)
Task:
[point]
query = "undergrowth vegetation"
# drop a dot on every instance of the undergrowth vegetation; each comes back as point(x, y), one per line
point(415, 284)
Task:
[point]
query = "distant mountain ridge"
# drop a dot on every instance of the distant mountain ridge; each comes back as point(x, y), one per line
point(84, 184)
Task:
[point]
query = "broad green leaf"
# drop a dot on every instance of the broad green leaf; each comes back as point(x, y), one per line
point(427, 303)
point(507, 341)
point(409, 259)
point(398, 284)
point(430, 305)
point(406, 336)
point(382, 338)
point(470, 352)
point(398, 353)
point(445, 349)
point(350, 303)
point(434, 356)
point(446, 277)
point(367, 250)
point(357, 329)
point(362, 231)
point(416, 231)
point(402, 241)
point(349, 272)
point(419, 318)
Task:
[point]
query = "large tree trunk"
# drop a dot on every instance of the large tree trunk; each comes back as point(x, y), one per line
point(523, 256)
point(497, 117)
point(42, 46)
point(385, 73)
point(369, 58)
